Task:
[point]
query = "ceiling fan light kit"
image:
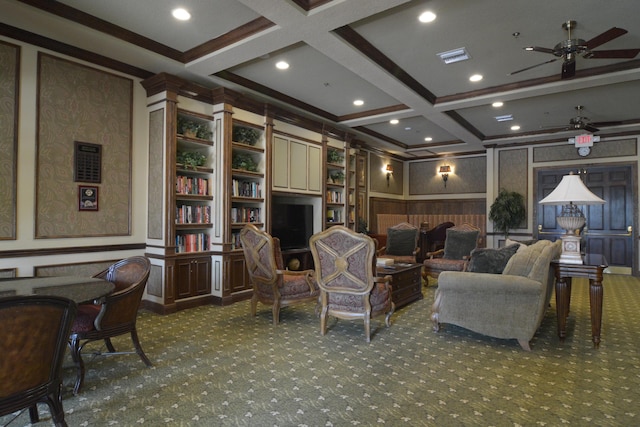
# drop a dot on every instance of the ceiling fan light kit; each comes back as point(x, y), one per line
point(569, 49)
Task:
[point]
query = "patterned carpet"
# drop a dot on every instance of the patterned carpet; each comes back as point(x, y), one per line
point(219, 366)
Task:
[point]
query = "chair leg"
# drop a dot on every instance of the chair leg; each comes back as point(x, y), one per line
point(367, 326)
point(54, 400)
point(254, 304)
point(387, 318)
point(75, 350)
point(138, 347)
point(323, 320)
point(276, 312)
point(110, 347)
point(33, 414)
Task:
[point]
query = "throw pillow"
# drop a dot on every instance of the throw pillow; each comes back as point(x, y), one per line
point(487, 260)
point(459, 243)
point(401, 241)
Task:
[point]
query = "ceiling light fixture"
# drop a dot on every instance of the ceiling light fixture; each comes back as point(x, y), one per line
point(476, 78)
point(455, 55)
point(282, 65)
point(358, 102)
point(497, 104)
point(515, 127)
point(427, 16)
point(394, 121)
point(505, 118)
point(181, 14)
point(428, 139)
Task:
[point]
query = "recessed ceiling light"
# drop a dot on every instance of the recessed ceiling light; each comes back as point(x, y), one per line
point(515, 127)
point(282, 65)
point(358, 102)
point(427, 16)
point(428, 139)
point(475, 78)
point(181, 14)
point(497, 104)
point(394, 121)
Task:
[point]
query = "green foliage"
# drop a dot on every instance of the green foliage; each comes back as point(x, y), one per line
point(334, 156)
point(191, 159)
point(244, 161)
point(246, 135)
point(507, 211)
point(199, 129)
point(362, 226)
point(337, 176)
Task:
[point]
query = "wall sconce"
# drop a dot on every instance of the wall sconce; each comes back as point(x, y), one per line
point(444, 173)
point(389, 171)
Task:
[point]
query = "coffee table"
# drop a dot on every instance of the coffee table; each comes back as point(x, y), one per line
point(406, 282)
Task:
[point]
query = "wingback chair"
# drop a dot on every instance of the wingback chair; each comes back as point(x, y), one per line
point(272, 284)
point(34, 339)
point(115, 315)
point(345, 270)
point(402, 243)
point(459, 242)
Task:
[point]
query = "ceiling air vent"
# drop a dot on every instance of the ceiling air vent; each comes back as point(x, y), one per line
point(455, 55)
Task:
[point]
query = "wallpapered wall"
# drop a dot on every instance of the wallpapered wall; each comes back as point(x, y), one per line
point(79, 103)
point(9, 55)
point(468, 175)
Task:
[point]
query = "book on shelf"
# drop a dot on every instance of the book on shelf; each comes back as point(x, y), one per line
point(192, 242)
point(193, 214)
point(246, 189)
point(245, 214)
point(192, 185)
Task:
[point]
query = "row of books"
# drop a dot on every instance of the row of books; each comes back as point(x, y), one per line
point(193, 214)
point(334, 215)
point(192, 185)
point(235, 241)
point(246, 189)
point(193, 242)
point(334, 197)
point(245, 214)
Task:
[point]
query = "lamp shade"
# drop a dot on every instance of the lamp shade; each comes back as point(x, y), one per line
point(571, 190)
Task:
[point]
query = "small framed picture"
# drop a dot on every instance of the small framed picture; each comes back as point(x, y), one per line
point(87, 198)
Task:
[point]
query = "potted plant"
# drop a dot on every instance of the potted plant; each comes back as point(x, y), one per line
point(203, 131)
point(337, 177)
point(245, 135)
point(244, 161)
point(191, 159)
point(334, 156)
point(362, 226)
point(507, 211)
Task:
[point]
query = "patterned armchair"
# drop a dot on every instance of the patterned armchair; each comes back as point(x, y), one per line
point(272, 284)
point(459, 243)
point(401, 244)
point(345, 270)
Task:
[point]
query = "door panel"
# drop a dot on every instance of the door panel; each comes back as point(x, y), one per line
point(607, 230)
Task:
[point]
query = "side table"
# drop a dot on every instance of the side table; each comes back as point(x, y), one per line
point(592, 269)
point(406, 282)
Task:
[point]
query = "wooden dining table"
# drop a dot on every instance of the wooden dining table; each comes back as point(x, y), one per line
point(81, 290)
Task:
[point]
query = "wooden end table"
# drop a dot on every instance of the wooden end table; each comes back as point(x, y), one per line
point(406, 282)
point(592, 269)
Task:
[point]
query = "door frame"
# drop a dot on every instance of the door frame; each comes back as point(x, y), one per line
point(578, 166)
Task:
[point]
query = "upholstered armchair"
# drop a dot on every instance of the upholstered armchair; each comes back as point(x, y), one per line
point(432, 240)
point(459, 243)
point(345, 270)
point(115, 315)
point(272, 284)
point(401, 244)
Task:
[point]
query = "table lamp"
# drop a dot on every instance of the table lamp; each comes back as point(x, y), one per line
point(570, 193)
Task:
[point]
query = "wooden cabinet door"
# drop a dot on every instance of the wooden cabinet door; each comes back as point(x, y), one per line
point(280, 163)
point(298, 166)
point(315, 168)
point(183, 278)
point(201, 275)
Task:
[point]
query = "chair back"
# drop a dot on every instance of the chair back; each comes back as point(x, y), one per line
point(460, 241)
point(402, 239)
point(344, 260)
point(35, 335)
point(130, 276)
point(260, 256)
point(434, 239)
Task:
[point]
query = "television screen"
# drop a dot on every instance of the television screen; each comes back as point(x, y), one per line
point(292, 224)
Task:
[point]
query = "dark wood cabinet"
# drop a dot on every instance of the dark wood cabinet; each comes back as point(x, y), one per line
point(406, 282)
point(192, 277)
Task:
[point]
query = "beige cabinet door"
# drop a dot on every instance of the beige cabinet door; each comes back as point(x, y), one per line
point(298, 165)
point(280, 163)
point(315, 168)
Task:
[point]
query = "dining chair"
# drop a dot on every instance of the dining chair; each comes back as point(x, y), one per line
point(34, 339)
point(272, 284)
point(114, 315)
point(345, 270)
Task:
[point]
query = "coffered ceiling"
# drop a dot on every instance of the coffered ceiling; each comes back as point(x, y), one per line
point(376, 51)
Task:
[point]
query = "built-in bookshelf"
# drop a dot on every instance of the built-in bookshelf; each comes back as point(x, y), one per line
point(247, 179)
point(352, 190)
point(193, 178)
point(335, 192)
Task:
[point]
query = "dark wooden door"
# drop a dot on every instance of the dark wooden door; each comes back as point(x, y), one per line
point(609, 228)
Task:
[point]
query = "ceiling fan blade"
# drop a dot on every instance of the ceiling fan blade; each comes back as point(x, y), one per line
point(616, 53)
point(533, 66)
point(568, 69)
point(608, 35)
point(607, 124)
point(590, 128)
point(540, 49)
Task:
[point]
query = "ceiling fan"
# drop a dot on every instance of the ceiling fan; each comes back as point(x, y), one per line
point(568, 49)
point(580, 122)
